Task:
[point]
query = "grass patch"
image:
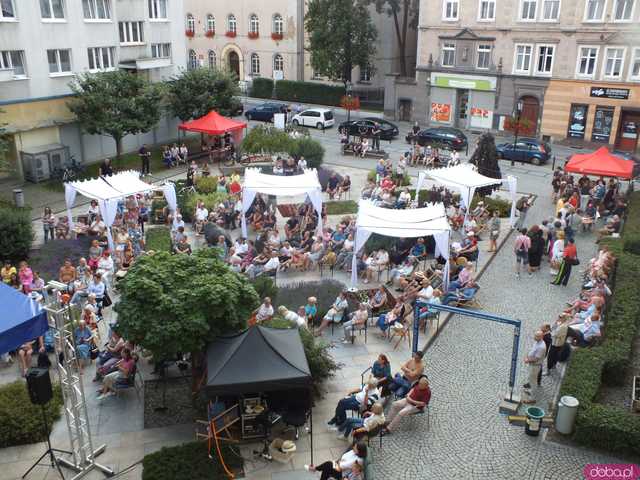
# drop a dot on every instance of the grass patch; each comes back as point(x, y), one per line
point(20, 420)
point(341, 207)
point(158, 239)
point(190, 460)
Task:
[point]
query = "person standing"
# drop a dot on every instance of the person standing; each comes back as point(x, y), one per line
point(494, 231)
point(521, 249)
point(534, 360)
point(569, 258)
point(145, 155)
point(48, 224)
point(376, 132)
point(559, 332)
point(105, 169)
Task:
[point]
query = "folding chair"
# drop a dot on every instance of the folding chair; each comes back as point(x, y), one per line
point(221, 419)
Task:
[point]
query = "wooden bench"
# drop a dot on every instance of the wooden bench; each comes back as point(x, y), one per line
point(348, 150)
point(635, 394)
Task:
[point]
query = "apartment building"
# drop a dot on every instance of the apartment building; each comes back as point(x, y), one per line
point(570, 67)
point(44, 44)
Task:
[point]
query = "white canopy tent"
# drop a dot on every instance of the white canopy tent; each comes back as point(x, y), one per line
point(257, 182)
point(107, 191)
point(409, 223)
point(466, 179)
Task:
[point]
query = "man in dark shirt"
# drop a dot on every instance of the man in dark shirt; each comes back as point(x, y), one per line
point(376, 132)
point(106, 170)
point(145, 155)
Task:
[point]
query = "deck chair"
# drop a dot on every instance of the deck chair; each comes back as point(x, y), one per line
point(221, 419)
point(469, 302)
point(404, 332)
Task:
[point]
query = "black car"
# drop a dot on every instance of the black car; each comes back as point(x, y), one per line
point(385, 124)
point(452, 137)
point(264, 112)
point(365, 127)
point(529, 150)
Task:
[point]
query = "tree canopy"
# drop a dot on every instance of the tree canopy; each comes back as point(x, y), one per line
point(341, 36)
point(179, 303)
point(196, 92)
point(485, 157)
point(4, 147)
point(405, 16)
point(116, 104)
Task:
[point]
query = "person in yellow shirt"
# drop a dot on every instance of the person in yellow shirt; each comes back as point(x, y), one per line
point(7, 271)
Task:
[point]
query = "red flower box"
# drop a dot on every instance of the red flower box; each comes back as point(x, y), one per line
point(277, 36)
point(230, 34)
point(253, 35)
point(189, 33)
point(209, 33)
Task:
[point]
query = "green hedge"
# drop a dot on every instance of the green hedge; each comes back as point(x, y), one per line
point(309, 92)
point(405, 181)
point(17, 232)
point(21, 420)
point(262, 88)
point(603, 426)
point(268, 139)
point(342, 207)
point(158, 239)
point(190, 460)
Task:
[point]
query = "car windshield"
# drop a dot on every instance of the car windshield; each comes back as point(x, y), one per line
point(328, 115)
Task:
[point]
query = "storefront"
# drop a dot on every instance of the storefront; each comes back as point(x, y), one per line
point(463, 101)
point(593, 113)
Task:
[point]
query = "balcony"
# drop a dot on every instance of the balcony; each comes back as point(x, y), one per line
point(146, 63)
point(6, 74)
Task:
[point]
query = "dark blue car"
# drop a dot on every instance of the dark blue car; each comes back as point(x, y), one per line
point(528, 150)
point(264, 112)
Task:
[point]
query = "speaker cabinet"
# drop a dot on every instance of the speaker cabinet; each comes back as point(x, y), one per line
point(39, 385)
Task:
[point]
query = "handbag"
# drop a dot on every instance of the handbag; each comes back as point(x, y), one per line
point(106, 300)
point(575, 261)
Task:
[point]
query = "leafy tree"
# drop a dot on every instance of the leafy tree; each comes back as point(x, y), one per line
point(179, 303)
point(485, 158)
point(195, 93)
point(405, 16)
point(17, 232)
point(266, 139)
point(341, 36)
point(116, 104)
point(4, 147)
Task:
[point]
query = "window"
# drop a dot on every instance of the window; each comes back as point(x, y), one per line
point(448, 54)
point(192, 60)
point(278, 24)
point(51, 10)
point(545, 59)
point(130, 32)
point(278, 63)
point(232, 24)
point(96, 9)
point(450, 10)
point(634, 72)
point(528, 10)
point(484, 56)
point(594, 10)
point(101, 58)
point(13, 59)
point(254, 24)
point(522, 62)
point(623, 10)
point(613, 63)
point(59, 61)
point(587, 58)
point(212, 59)
point(550, 10)
point(158, 9)
point(365, 74)
point(7, 10)
point(191, 23)
point(487, 10)
point(160, 50)
point(255, 64)
point(211, 23)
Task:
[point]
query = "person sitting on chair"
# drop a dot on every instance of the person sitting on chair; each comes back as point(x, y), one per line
point(335, 313)
point(124, 369)
point(415, 402)
point(463, 295)
point(411, 371)
point(358, 400)
point(358, 319)
point(361, 426)
point(348, 466)
point(395, 315)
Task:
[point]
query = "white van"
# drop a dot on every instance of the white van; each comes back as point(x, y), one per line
point(314, 117)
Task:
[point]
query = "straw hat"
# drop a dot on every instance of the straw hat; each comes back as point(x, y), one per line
point(288, 446)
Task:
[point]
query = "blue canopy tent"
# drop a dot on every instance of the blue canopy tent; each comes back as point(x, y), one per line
point(22, 319)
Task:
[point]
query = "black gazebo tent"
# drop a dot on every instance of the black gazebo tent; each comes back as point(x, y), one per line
point(258, 360)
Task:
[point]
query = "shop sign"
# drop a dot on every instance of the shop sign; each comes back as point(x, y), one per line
point(440, 112)
point(612, 93)
point(577, 121)
point(481, 117)
point(466, 82)
point(602, 125)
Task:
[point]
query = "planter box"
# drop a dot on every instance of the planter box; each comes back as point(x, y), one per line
point(189, 33)
point(209, 34)
point(230, 34)
point(277, 36)
point(253, 35)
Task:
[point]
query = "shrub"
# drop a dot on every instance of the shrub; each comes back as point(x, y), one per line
point(211, 201)
point(206, 184)
point(49, 257)
point(309, 92)
point(295, 294)
point(310, 149)
point(404, 181)
point(613, 428)
point(632, 244)
point(262, 88)
point(266, 139)
point(502, 206)
point(171, 463)
point(20, 420)
point(265, 287)
point(17, 232)
point(158, 239)
point(342, 207)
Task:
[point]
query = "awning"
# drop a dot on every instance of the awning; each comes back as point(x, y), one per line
point(22, 320)
point(602, 163)
point(213, 124)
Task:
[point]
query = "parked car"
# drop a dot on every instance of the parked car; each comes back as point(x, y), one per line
point(314, 117)
point(452, 137)
point(631, 156)
point(385, 124)
point(265, 111)
point(365, 127)
point(528, 150)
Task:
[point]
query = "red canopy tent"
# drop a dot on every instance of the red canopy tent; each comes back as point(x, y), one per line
point(601, 162)
point(213, 124)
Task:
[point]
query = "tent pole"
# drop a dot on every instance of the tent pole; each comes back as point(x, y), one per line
point(311, 431)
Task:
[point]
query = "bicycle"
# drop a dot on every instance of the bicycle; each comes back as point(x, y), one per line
point(70, 172)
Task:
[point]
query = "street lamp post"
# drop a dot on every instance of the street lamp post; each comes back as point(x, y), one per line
point(517, 128)
point(349, 89)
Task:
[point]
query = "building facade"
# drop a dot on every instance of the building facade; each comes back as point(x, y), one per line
point(556, 63)
point(45, 44)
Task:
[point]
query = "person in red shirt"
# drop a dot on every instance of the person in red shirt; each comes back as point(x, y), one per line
point(416, 400)
point(569, 258)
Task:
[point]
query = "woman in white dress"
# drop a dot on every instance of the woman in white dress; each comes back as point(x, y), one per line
point(556, 253)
